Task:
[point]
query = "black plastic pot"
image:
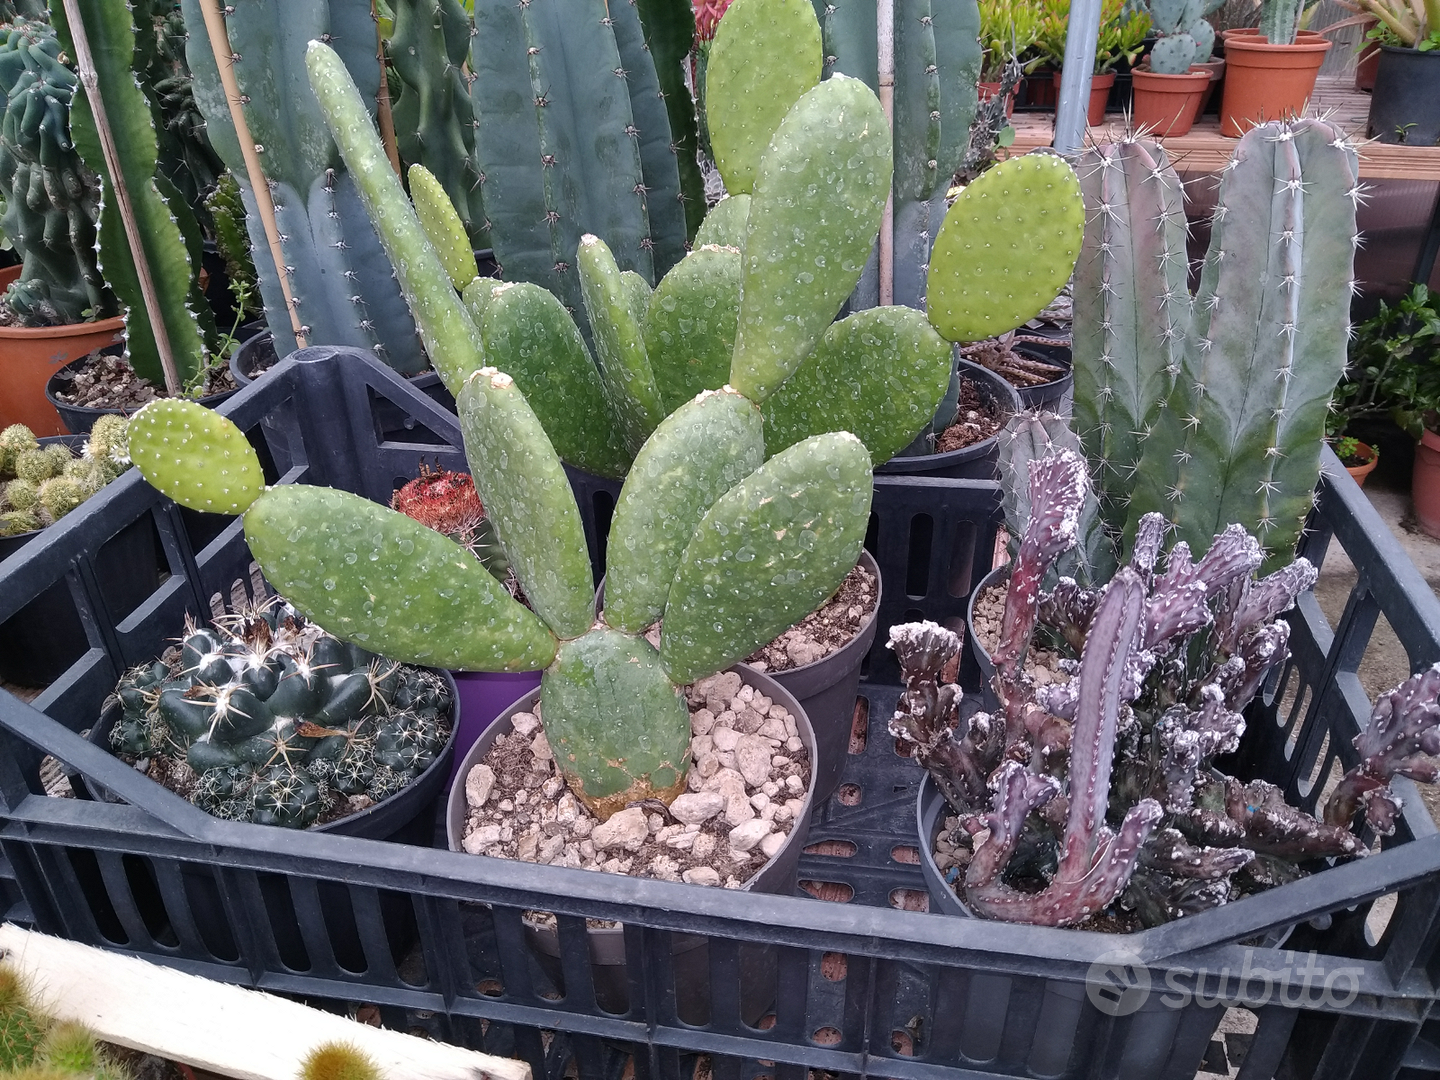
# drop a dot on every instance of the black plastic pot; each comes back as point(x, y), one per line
point(691, 954)
point(1405, 104)
point(79, 419)
point(977, 652)
point(1047, 396)
point(407, 817)
point(978, 461)
point(47, 636)
point(827, 690)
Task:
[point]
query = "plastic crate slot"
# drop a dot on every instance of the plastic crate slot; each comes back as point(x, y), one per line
point(960, 576)
point(986, 1005)
point(902, 1043)
point(82, 869)
point(833, 966)
point(825, 1036)
point(906, 853)
point(909, 899)
point(1380, 916)
point(837, 849)
point(859, 725)
point(849, 795)
point(836, 892)
point(917, 561)
point(395, 426)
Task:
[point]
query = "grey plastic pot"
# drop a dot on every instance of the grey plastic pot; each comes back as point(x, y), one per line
point(827, 690)
point(691, 953)
point(978, 461)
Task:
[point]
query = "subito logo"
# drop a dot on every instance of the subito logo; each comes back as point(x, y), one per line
point(1117, 983)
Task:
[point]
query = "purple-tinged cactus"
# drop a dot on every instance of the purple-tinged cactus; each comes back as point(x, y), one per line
point(1403, 733)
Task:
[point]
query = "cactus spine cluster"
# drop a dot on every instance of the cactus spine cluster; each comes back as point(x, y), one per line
point(159, 210)
point(723, 546)
point(1211, 409)
point(52, 201)
point(1186, 38)
point(279, 721)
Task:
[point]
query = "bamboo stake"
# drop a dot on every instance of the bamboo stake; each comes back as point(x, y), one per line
point(85, 60)
point(885, 48)
point(383, 113)
point(220, 46)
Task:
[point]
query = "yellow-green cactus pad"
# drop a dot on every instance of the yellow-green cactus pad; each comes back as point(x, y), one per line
point(1006, 248)
point(195, 456)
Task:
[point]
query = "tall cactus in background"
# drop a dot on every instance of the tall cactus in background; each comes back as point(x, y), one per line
point(52, 200)
point(1132, 314)
point(434, 123)
point(173, 258)
point(344, 290)
point(573, 137)
point(1280, 20)
point(937, 64)
point(1239, 439)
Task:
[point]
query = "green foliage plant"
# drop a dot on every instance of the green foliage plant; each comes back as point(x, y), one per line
point(1122, 33)
point(1394, 366)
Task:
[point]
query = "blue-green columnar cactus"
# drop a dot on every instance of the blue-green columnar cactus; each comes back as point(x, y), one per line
point(343, 288)
point(173, 257)
point(574, 136)
point(52, 201)
point(723, 546)
point(1212, 410)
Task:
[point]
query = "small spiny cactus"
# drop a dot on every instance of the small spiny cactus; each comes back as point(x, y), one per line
point(338, 1061)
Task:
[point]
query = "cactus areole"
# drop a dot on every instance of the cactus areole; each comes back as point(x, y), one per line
point(727, 540)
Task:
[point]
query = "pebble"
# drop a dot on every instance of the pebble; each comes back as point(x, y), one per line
point(774, 729)
point(528, 845)
point(754, 761)
point(745, 837)
point(701, 875)
point(738, 809)
point(505, 806)
point(655, 822)
point(550, 848)
point(720, 690)
point(794, 745)
point(760, 800)
point(701, 806)
point(627, 829)
point(587, 850)
point(794, 784)
point(701, 744)
point(482, 838)
point(541, 747)
point(704, 845)
point(725, 738)
point(771, 843)
point(553, 787)
point(791, 727)
point(701, 722)
point(748, 720)
point(804, 652)
point(479, 782)
point(525, 724)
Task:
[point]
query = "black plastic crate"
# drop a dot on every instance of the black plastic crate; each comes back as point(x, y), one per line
point(862, 988)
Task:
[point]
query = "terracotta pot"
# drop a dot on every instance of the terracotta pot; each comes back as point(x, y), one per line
point(1168, 104)
point(987, 90)
point(1267, 82)
point(1360, 472)
point(1425, 483)
point(1217, 72)
point(1367, 63)
point(1099, 96)
point(28, 357)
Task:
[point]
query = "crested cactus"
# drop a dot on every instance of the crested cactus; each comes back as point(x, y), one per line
point(1166, 659)
point(342, 286)
point(172, 257)
point(51, 199)
point(1211, 410)
point(280, 722)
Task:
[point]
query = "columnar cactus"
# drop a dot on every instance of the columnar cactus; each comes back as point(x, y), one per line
point(280, 721)
point(1167, 661)
point(344, 290)
point(52, 201)
point(937, 64)
point(1185, 37)
point(1280, 20)
point(1211, 410)
point(159, 211)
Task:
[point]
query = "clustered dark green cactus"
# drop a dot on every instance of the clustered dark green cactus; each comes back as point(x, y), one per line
point(52, 201)
point(281, 723)
point(41, 484)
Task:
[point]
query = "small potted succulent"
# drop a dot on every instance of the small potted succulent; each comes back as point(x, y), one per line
point(1358, 458)
point(1008, 29)
point(1176, 77)
point(1121, 41)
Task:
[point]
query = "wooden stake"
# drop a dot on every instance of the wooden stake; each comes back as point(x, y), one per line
point(220, 46)
point(885, 49)
point(85, 61)
point(214, 1026)
point(384, 116)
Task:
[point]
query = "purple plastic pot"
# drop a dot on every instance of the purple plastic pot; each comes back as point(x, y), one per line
point(484, 695)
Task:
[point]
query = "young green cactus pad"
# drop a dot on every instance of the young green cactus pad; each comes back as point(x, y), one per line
point(390, 584)
point(1006, 248)
point(196, 456)
point(746, 99)
point(442, 226)
point(281, 723)
point(725, 223)
point(690, 324)
point(799, 267)
point(878, 373)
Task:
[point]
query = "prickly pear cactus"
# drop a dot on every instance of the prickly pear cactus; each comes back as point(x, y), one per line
point(281, 723)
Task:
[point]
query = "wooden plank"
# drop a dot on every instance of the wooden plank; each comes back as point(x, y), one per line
point(212, 1026)
point(1205, 150)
